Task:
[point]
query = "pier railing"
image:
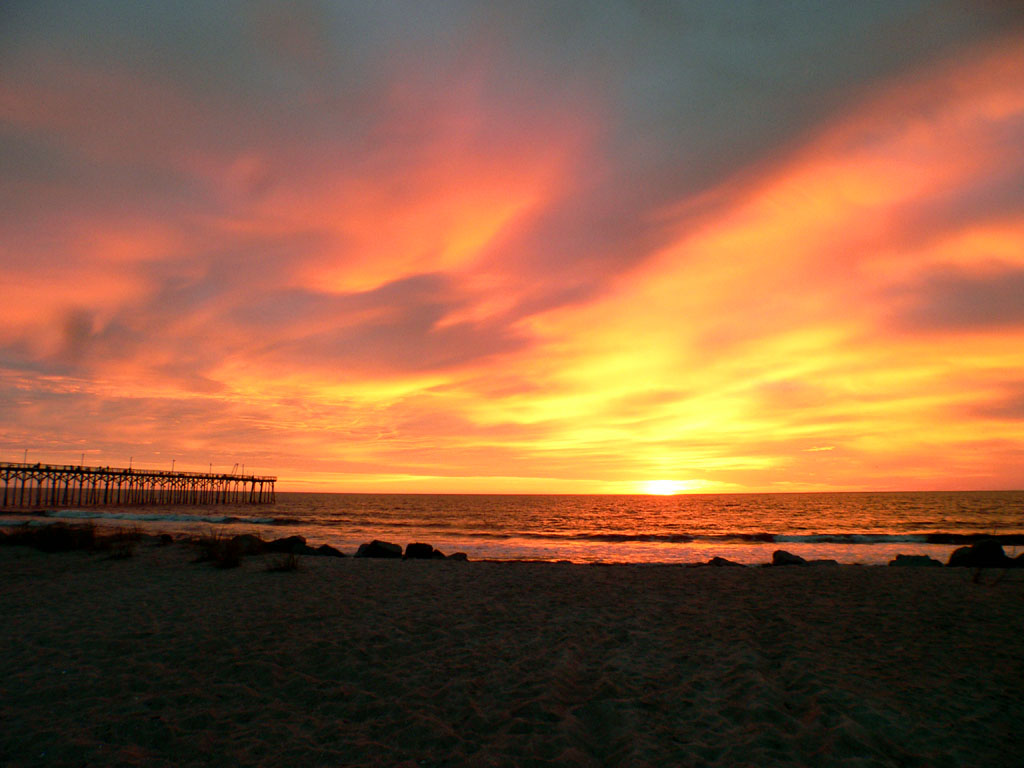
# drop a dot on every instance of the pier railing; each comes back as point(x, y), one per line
point(55, 485)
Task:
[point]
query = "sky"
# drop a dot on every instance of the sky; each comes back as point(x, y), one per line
point(516, 247)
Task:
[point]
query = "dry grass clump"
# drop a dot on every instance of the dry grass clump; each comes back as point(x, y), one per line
point(120, 544)
point(58, 537)
point(290, 562)
point(222, 551)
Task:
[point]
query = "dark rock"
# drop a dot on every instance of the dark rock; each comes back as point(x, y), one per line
point(295, 545)
point(326, 550)
point(165, 539)
point(960, 558)
point(915, 561)
point(418, 552)
point(825, 563)
point(721, 562)
point(438, 555)
point(250, 544)
point(377, 548)
point(984, 554)
point(459, 556)
point(782, 557)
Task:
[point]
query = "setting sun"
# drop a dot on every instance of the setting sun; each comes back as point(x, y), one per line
point(666, 487)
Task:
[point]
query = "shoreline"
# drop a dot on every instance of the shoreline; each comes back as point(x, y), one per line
point(225, 551)
point(155, 659)
point(752, 550)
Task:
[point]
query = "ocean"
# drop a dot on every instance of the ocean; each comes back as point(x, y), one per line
point(868, 528)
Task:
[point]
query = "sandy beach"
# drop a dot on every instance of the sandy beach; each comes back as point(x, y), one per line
point(156, 660)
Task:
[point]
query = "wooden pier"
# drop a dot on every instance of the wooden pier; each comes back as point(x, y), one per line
point(39, 486)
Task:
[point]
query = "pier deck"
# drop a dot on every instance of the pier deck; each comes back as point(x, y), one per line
point(28, 486)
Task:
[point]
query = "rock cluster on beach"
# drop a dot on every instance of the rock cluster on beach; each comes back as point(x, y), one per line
point(987, 553)
point(59, 537)
point(721, 562)
point(782, 557)
point(415, 551)
point(250, 544)
point(381, 549)
point(984, 554)
point(220, 549)
point(915, 561)
point(247, 544)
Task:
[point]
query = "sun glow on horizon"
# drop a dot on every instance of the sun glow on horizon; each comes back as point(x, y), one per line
point(669, 487)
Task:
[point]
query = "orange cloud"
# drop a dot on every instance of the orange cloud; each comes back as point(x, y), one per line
point(461, 291)
point(776, 320)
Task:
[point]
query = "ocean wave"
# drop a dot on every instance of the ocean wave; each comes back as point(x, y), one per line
point(897, 538)
point(366, 526)
point(1010, 539)
point(172, 517)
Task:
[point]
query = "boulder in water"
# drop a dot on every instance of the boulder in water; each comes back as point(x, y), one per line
point(915, 561)
point(378, 548)
point(721, 562)
point(326, 550)
point(782, 557)
point(418, 551)
point(987, 553)
point(459, 556)
point(295, 545)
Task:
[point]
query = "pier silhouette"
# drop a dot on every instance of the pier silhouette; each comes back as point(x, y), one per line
point(27, 486)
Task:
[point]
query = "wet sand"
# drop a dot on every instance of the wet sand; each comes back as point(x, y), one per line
point(155, 660)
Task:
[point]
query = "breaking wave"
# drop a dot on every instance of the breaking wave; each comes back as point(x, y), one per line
point(174, 517)
point(770, 538)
